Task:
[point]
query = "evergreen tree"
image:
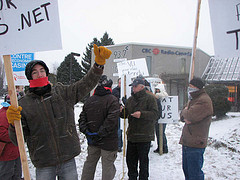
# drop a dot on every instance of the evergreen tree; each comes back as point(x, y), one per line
point(86, 60)
point(219, 94)
point(68, 67)
point(106, 40)
point(52, 78)
point(87, 56)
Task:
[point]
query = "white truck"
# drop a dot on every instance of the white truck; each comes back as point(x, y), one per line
point(156, 82)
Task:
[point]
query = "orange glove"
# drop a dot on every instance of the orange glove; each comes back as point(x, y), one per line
point(14, 114)
point(101, 54)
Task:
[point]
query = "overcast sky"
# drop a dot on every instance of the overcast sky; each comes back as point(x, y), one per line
point(164, 22)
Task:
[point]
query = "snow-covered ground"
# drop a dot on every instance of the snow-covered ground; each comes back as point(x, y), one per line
point(222, 156)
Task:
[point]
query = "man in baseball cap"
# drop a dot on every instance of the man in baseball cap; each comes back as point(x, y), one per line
point(141, 110)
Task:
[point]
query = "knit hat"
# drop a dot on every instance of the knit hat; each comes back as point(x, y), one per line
point(197, 82)
point(105, 82)
point(31, 64)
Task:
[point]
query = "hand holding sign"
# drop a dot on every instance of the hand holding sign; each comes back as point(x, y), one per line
point(14, 114)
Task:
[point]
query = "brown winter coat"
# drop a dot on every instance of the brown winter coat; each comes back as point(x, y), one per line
point(199, 112)
point(141, 129)
point(48, 121)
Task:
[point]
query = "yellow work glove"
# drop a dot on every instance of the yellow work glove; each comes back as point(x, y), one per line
point(101, 54)
point(13, 114)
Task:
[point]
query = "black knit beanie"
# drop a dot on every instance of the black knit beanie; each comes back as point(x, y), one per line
point(197, 82)
point(105, 82)
point(31, 64)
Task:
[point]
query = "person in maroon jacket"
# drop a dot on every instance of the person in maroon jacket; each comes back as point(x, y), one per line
point(10, 163)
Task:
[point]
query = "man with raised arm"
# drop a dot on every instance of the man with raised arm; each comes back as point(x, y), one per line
point(47, 115)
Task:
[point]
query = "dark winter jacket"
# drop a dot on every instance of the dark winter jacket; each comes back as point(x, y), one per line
point(100, 114)
point(159, 108)
point(141, 129)
point(199, 112)
point(48, 121)
point(116, 92)
point(10, 151)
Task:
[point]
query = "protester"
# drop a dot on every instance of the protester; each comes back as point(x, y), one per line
point(159, 94)
point(48, 118)
point(10, 162)
point(99, 122)
point(141, 110)
point(146, 83)
point(20, 90)
point(197, 116)
point(117, 93)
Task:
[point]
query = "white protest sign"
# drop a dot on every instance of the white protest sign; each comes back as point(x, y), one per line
point(225, 20)
point(133, 67)
point(116, 61)
point(19, 62)
point(169, 110)
point(29, 26)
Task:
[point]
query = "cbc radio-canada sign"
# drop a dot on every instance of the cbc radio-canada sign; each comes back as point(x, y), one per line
point(156, 51)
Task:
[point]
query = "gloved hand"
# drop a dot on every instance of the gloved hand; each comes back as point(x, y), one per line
point(92, 138)
point(14, 114)
point(101, 54)
point(124, 100)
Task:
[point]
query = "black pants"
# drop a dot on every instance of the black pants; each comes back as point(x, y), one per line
point(138, 152)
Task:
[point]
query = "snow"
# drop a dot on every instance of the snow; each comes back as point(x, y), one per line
point(221, 158)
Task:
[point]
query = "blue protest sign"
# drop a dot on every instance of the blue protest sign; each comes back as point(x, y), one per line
point(19, 61)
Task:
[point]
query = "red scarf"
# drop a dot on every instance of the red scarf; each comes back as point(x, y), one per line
point(40, 82)
point(107, 88)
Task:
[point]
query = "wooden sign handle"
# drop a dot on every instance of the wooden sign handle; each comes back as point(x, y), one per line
point(160, 145)
point(18, 126)
point(192, 65)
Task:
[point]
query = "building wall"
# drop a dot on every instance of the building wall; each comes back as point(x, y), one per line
point(170, 63)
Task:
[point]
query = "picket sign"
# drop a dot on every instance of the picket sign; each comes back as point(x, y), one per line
point(160, 145)
point(26, 26)
point(124, 127)
point(191, 72)
point(17, 124)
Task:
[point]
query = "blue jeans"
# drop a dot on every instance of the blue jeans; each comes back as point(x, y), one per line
point(63, 171)
point(120, 141)
point(192, 163)
point(11, 170)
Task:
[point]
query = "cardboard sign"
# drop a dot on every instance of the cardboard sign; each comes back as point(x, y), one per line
point(225, 20)
point(29, 26)
point(169, 110)
point(19, 62)
point(133, 67)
